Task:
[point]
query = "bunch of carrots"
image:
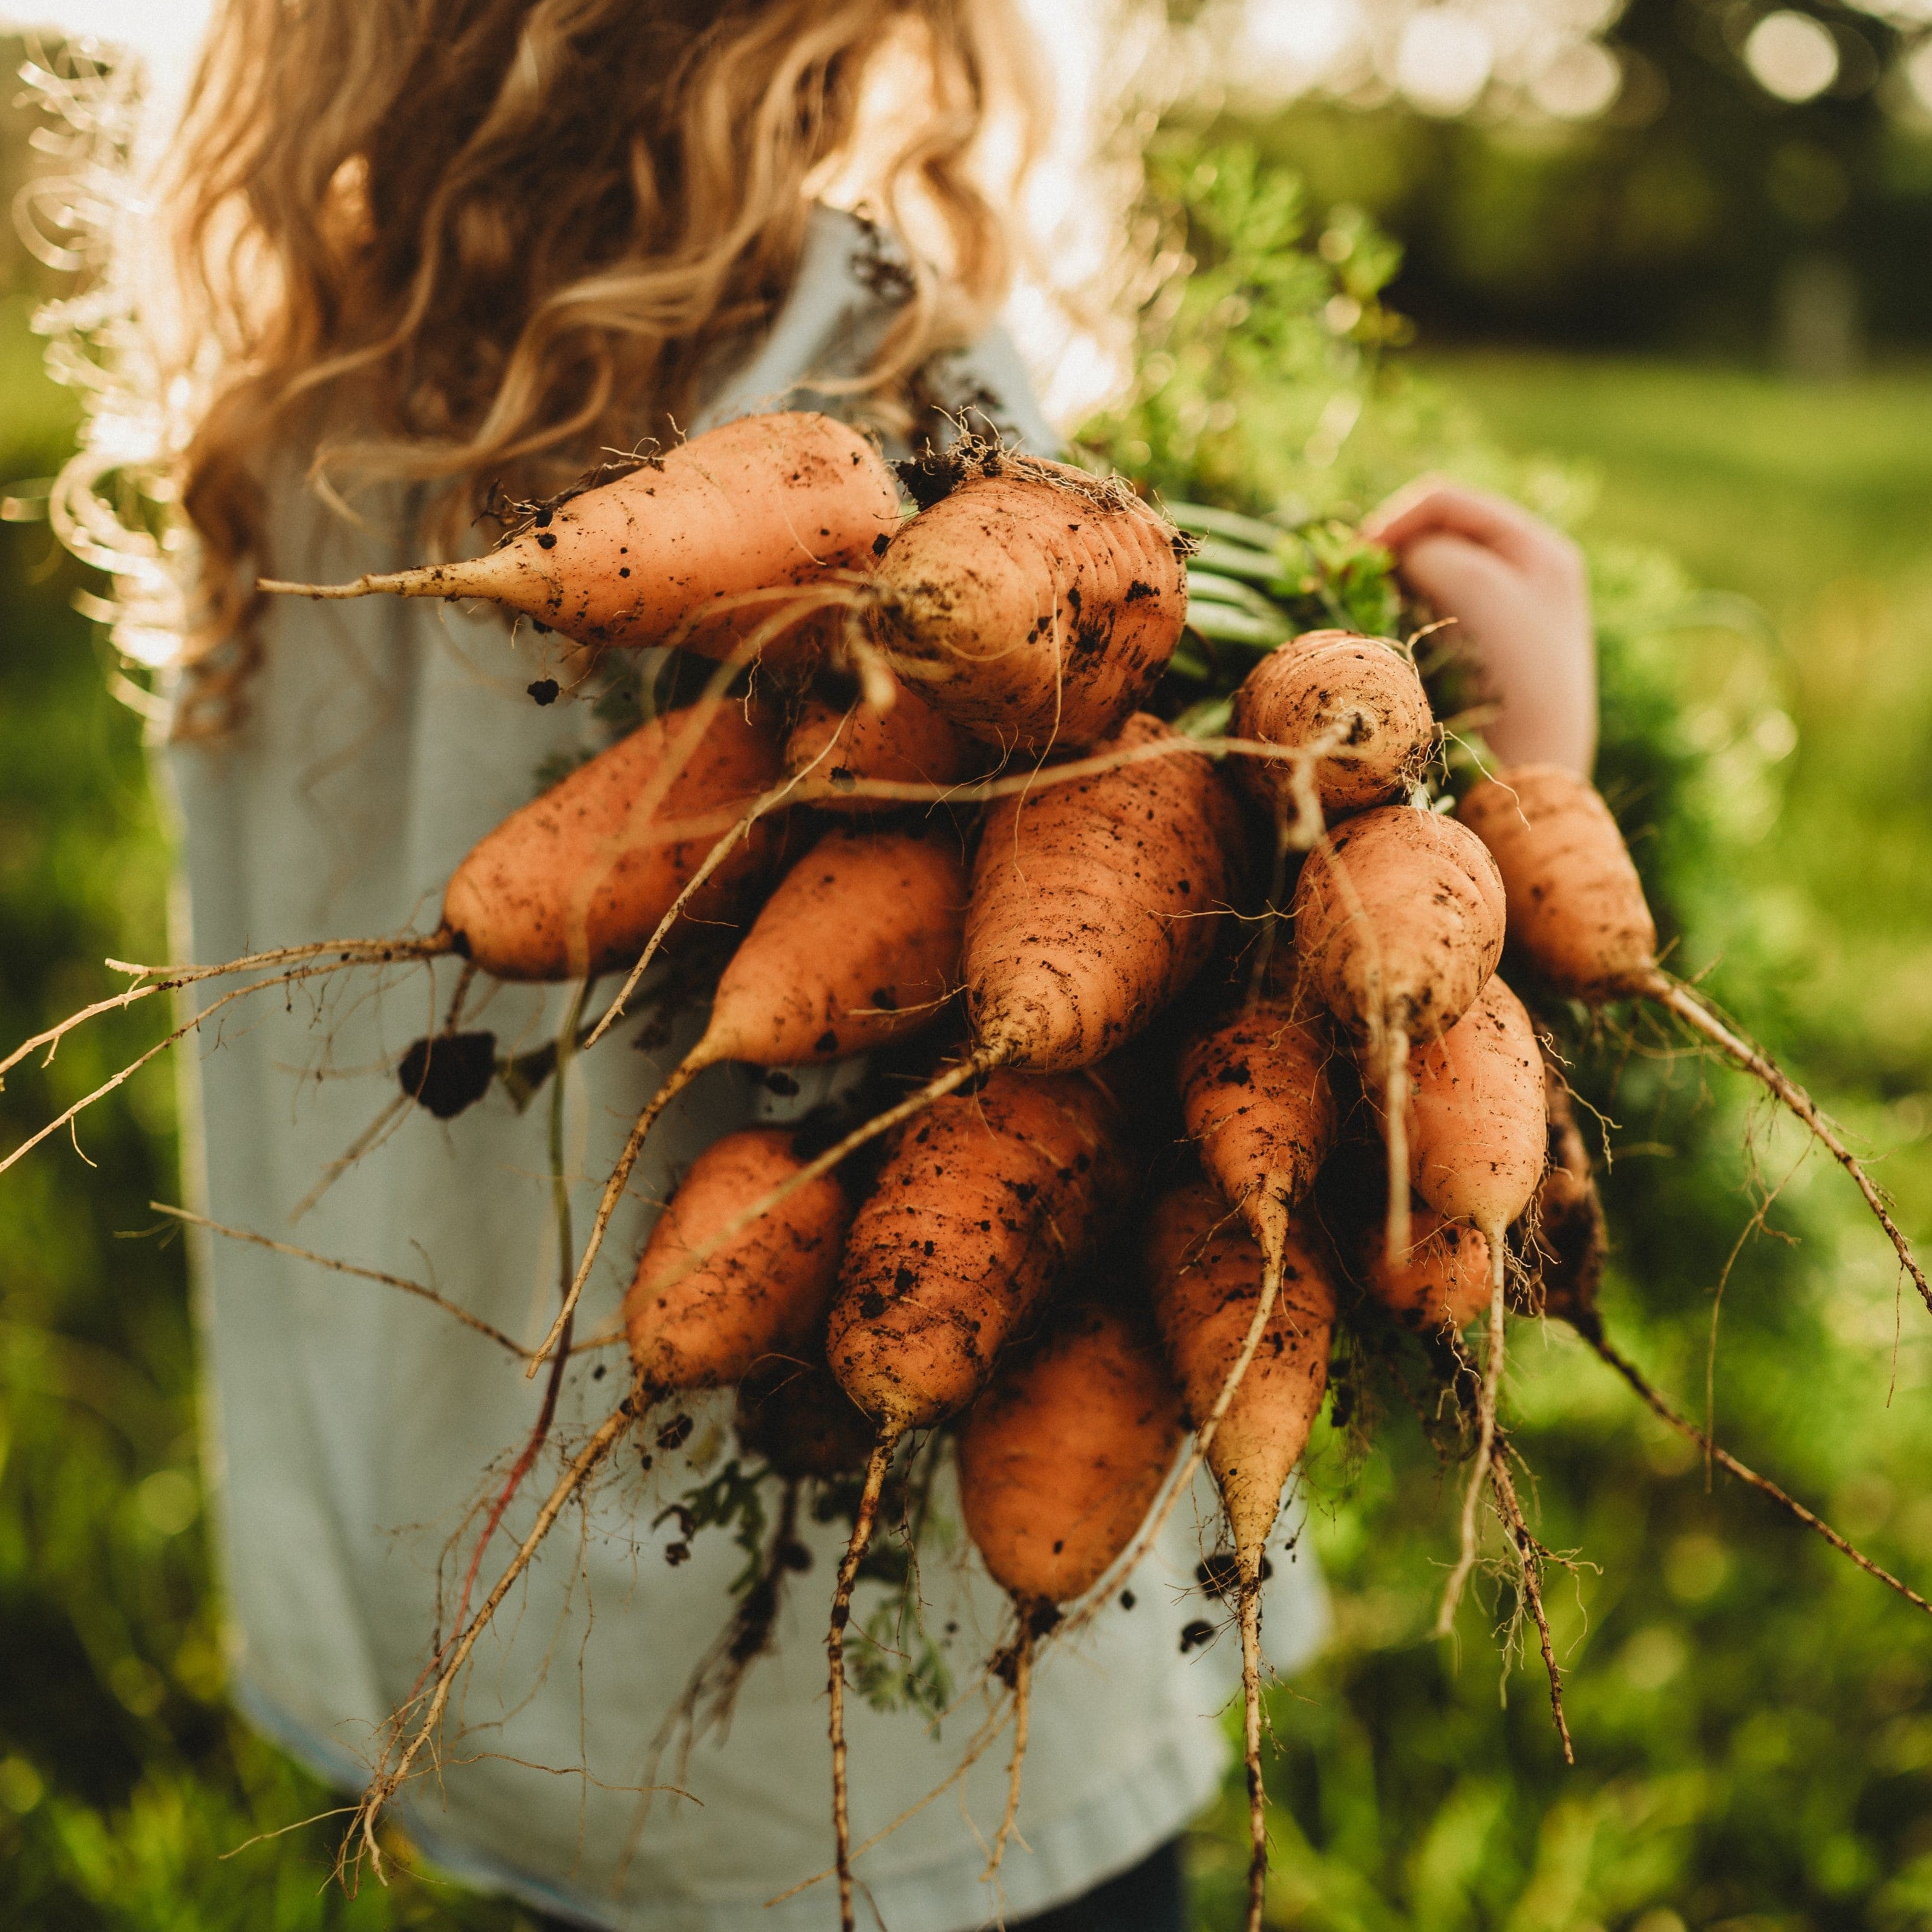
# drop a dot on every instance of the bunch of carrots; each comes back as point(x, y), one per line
point(1250, 978)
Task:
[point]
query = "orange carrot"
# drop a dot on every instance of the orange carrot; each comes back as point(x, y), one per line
point(1577, 909)
point(792, 1412)
point(908, 743)
point(576, 880)
point(1358, 697)
point(1061, 1458)
point(1255, 1091)
point(859, 943)
point(979, 1210)
point(1398, 925)
point(1478, 1133)
point(764, 1294)
point(1444, 1281)
point(1094, 903)
point(1062, 1454)
point(1203, 1273)
point(685, 542)
point(1033, 605)
point(1476, 1155)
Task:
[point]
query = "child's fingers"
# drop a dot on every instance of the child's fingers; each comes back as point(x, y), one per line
point(1432, 504)
point(1459, 577)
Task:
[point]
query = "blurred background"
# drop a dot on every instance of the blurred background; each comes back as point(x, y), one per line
point(1665, 272)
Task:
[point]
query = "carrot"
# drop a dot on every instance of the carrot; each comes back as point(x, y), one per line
point(1257, 1102)
point(977, 1213)
point(1359, 697)
point(859, 943)
point(1203, 1273)
point(764, 1294)
point(1443, 1282)
point(1094, 903)
point(1398, 924)
point(1255, 1092)
point(575, 881)
point(908, 743)
point(1033, 605)
point(1062, 1454)
point(792, 1413)
point(1479, 1129)
point(1576, 907)
point(1061, 1458)
point(682, 544)
point(1476, 1155)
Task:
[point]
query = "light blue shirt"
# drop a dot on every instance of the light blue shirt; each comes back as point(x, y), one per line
point(351, 1427)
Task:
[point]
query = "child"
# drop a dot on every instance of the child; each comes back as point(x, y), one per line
point(439, 245)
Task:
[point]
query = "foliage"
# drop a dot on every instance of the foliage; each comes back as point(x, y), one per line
point(1675, 220)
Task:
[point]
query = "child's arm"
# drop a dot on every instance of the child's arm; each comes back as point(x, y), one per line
point(1517, 590)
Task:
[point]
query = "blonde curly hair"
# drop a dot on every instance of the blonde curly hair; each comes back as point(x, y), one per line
point(468, 242)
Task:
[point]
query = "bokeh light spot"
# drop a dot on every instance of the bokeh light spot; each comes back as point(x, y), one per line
point(1792, 55)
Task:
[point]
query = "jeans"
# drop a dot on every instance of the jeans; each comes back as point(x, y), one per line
point(1151, 1897)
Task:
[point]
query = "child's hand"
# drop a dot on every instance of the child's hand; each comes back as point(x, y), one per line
point(1517, 591)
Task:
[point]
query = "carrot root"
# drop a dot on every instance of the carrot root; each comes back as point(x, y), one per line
point(1251, 1735)
point(386, 1783)
point(1486, 1437)
point(408, 1287)
point(294, 976)
point(981, 1743)
point(1661, 1408)
point(835, 1651)
point(1395, 1103)
point(1701, 1020)
point(1529, 1559)
point(1022, 1709)
point(681, 1077)
point(427, 581)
